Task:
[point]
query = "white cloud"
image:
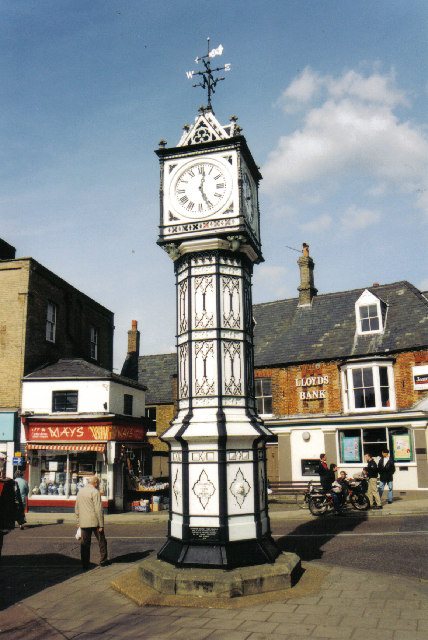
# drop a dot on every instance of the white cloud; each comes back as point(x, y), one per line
point(355, 219)
point(300, 91)
point(319, 224)
point(351, 132)
point(272, 281)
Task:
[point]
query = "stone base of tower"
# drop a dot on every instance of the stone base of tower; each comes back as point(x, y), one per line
point(220, 583)
point(229, 555)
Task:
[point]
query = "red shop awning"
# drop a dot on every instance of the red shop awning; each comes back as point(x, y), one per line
point(66, 447)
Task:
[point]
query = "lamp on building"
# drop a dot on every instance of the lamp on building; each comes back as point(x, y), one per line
point(306, 436)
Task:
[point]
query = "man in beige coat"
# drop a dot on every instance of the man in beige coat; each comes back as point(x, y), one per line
point(90, 519)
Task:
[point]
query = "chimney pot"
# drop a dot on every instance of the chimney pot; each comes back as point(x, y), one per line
point(306, 288)
point(134, 339)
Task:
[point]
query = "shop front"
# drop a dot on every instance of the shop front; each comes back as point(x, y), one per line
point(62, 454)
point(347, 439)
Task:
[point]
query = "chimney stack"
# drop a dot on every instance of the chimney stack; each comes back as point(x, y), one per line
point(306, 288)
point(134, 339)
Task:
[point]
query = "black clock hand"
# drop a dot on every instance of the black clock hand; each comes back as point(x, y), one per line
point(201, 189)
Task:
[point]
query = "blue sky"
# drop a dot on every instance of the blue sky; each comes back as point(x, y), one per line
point(332, 98)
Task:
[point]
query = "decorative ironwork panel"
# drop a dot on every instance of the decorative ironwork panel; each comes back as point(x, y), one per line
point(232, 377)
point(245, 455)
point(205, 368)
point(203, 489)
point(177, 488)
point(231, 299)
point(204, 302)
point(183, 305)
point(240, 488)
point(203, 456)
point(183, 364)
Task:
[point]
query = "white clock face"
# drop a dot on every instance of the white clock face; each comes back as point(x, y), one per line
point(200, 189)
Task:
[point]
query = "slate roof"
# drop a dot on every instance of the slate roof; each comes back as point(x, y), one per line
point(156, 372)
point(287, 334)
point(77, 368)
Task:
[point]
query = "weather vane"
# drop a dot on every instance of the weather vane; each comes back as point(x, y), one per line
point(208, 81)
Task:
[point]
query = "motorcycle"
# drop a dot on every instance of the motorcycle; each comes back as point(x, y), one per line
point(320, 503)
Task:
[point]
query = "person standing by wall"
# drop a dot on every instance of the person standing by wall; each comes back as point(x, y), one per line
point(372, 492)
point(7, 503)
point(386, 468)
point(90, 519)
point(23, 490)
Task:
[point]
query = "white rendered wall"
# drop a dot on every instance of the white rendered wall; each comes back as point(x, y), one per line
point(117, 391)
point(94, 396)
point(305, 450)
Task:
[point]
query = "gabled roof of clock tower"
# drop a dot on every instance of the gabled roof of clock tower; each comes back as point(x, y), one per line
point(207, 128)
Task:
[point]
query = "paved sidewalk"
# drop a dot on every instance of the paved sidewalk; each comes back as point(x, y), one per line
point(346, 604)
point(328, 603)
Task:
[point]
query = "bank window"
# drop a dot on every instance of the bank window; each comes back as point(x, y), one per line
point(51, 313)
point(127, 404)
point(151, 415)
point(354, 444)
point(263, 389)
point(94, 343)
point(367, 387)
point(64, 401)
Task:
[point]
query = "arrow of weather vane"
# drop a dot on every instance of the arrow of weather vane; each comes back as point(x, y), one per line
point(208, 81)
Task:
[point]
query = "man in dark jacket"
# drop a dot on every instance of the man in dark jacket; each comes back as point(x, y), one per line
point(371, 472)
point(323, 472)
point(386, 468)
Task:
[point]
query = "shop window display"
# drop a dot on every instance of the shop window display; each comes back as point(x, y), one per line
point(63, 474)
point(356, 443)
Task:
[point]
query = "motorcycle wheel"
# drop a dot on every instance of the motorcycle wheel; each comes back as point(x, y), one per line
point(360, 502)
point(318, 505)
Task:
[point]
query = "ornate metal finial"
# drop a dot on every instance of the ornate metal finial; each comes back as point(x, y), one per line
point(233, 118)
point(208, 81)
point(162, 143)
point(186, 127)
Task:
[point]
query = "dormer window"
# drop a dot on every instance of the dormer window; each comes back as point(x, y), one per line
point(369, 318)
point(370, 314)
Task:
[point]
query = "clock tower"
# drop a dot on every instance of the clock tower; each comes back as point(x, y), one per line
point(209, 225)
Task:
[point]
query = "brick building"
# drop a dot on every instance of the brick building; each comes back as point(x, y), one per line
point(42, 319)
point(343, 373)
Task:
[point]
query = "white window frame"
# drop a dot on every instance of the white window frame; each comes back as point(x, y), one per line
point(262, 397)
point(348, 385)
point(94, 343)
point(51, 314)
point(365, 300)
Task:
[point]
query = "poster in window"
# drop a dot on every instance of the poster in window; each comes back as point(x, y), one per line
point(351, 449)
point(402, 447)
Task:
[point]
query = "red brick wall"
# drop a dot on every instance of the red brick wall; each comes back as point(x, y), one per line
point(287, 398)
